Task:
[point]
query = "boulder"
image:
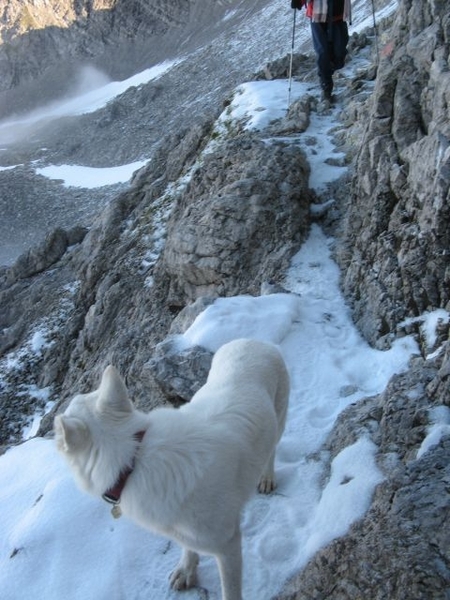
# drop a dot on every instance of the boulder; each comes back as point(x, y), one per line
point(245, 211)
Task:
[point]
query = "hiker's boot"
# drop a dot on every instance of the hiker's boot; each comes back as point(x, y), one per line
point(327, 93)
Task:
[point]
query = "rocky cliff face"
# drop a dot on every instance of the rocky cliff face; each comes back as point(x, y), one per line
point(395, 235)
point(80, 27)
point(21, 18)
point(115, 292)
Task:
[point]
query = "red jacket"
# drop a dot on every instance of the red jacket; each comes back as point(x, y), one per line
point(309, 10)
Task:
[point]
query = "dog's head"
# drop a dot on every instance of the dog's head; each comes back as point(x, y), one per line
point(90, 428)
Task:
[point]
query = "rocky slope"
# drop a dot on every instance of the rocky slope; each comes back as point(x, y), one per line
point(43, 45)
point(42, 42)
point(113, 293)
point(131, 127)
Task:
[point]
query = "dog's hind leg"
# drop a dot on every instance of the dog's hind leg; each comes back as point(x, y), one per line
point(230, 568)
point(267, 482)
point(185, 574)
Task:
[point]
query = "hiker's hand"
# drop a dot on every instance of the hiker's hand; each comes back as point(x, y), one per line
point(297, 4)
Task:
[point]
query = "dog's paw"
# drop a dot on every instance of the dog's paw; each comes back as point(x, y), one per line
point(183, 579)
point(266, 484)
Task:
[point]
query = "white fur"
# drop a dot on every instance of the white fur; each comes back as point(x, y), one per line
point(196, 466)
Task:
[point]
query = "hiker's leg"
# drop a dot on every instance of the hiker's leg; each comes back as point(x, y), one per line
point(320, 40)
point(340, 41)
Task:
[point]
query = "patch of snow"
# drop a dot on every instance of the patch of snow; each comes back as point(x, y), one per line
point(440, 427)
point(90, 177)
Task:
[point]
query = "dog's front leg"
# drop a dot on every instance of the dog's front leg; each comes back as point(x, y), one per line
point(230, 568)
point(185, 574)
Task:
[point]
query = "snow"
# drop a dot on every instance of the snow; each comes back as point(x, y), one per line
point(218, 324)
point(90, 177)
point(42, 394)
point(440, 426)
point(58, 542)
point(9, 168)
point(346, 497)
point(257, 103)
point(429, 324)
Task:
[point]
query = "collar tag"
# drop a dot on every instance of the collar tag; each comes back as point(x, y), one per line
point(116, 511)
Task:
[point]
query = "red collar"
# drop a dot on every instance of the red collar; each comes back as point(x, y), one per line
point(112, 495)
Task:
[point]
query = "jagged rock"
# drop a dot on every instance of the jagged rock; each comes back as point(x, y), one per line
point(394, 248)
point(179, 373)
point(297, 118)
point(281, 67)
point(401, 548)
point(439, 387)
point(44, 255)
point(245, 211)
point(121, 293)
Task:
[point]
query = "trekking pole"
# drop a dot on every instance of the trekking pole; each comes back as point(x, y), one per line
point(290, 62)
point(375, 31)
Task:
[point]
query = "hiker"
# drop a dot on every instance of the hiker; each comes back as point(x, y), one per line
point(329, 35)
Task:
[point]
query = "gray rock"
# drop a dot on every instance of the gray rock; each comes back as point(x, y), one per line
point(46, 254)
point(394, 246)
point(245, 211)
point(179, 373)
point(281, 67)
point(400, 550)
point(112, 298)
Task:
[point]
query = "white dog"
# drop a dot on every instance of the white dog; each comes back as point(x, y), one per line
point(186, 472)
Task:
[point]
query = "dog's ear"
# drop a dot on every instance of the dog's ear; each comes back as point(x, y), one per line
point(70, 433)
point(112, 394)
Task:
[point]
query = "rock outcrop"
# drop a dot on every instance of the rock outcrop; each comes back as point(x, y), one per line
point(393, 245)
point(394, 250)
point(233, 231)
